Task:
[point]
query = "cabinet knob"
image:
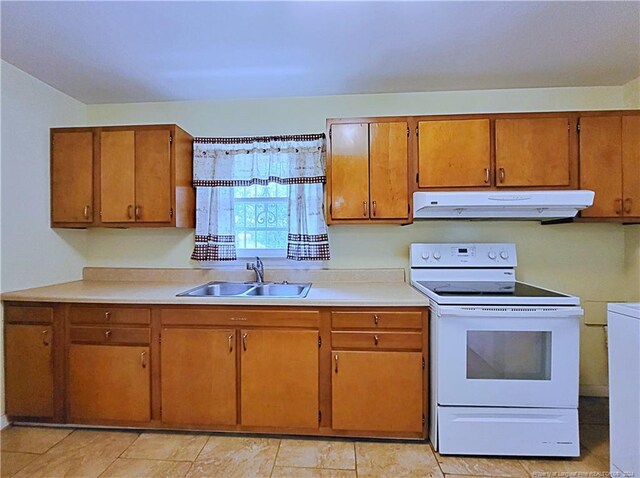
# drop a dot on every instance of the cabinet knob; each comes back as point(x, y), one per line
point(138, 210)
point(618, 206)
point(45, 340)
point(502, 174)
point(374, 209)
point(244, 341)
point(376, 319)
point(143, 359)
point(230, 343)
point(130, 211)
point(86, 212)
point(365, 208)
point(627, 205)
point(107, 334)
point(336, 359)
point(107, 315)
point(376, 339)
point(487, 172)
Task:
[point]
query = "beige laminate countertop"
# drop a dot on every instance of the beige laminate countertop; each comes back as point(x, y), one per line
point(371, 294)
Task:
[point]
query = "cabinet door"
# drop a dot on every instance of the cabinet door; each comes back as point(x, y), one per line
point(631, 165)
point(377, 391)
point(72, 177)
point(117, 181)
point(109, 382)
point(279, 378)
point(454, 153)
point(388, 175)
point(153, 176)
point(601, 164)
point(198, 375)
point(532, 152)
point(29, 370)
point(350, 171)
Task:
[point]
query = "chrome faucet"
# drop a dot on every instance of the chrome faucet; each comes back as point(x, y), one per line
point(258, 268)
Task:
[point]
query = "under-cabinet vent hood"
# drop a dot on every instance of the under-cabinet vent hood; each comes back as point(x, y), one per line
point(531, 205)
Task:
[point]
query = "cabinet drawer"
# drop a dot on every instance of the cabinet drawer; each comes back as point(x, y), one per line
point(110, 335)
point(28, 315)
point(109, 315)
point(377, 340)
point(241, 317)
point(375, 319)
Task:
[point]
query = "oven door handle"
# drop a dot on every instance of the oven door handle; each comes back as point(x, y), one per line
point(497, 312)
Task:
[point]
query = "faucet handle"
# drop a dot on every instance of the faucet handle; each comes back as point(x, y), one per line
point(250, 266)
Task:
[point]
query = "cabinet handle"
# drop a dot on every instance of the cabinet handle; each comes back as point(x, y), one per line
point(336, 358)
point(376, 319)
point(365, 211)
point(487, 172)
point(45, 342)
point(374, 209)
point(138, 208)
point(230, 343)
point(375, 340)
point(618, 206)
point(107, 334)
point(502, 175)
point(143, 359)
point(130, 211)
point(107, 315)
point(244, 341)
point(86, 212)
point(627, 206)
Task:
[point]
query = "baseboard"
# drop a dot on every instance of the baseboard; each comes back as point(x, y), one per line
point(594, 390)
point(3, 422)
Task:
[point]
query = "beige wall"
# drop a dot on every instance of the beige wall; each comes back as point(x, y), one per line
point(584, 259)
point(631, 94)
point(32, 253)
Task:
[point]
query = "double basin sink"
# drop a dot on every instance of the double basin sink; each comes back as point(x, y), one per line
point(248, 289)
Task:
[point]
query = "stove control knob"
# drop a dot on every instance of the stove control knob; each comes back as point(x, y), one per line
point(436, 256)
point(492, 255)
point(504, 255)
point(425, 255)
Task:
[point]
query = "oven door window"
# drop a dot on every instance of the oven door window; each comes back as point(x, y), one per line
point(508, 355)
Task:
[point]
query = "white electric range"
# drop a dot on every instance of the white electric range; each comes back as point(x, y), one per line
point(504, 354)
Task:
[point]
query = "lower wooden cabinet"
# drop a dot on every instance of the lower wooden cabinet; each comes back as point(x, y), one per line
point(198, 376)
point(109, 382)
point(377, 391)
point(29, 370)
point(279, 378)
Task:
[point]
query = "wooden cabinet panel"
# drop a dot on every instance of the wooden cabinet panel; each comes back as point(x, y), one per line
point(376, 319)
point(240, 317)
point(377, 340)
point(72, 177)
point(350, 171)
point(198, 368)
point(28, 370)
point(279, 378)
point(153, 175)
point(631, 165)
point(110, 335)
point(532, 152)
point(117, 181)
point(388, 174)
point(601, 164)
point(454, 153)
point(377, 391)
point(107, 382)
point(79, 314)
point(27, 314)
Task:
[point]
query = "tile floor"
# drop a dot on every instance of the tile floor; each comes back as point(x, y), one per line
point(61, 452)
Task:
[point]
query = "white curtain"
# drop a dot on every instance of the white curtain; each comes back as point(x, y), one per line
point(219, 164)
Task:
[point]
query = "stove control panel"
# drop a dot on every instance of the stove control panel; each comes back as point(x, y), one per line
point(463, 255)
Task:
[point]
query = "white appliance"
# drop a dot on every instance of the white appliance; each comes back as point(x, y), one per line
point(504, 354)
point(532, 205)
point(624, 388)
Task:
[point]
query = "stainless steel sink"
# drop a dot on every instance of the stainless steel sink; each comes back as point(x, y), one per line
point(248, 289)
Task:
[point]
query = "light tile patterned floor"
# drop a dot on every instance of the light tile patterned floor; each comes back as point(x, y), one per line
point(61, 452)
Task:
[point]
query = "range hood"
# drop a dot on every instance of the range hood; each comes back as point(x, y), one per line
point(531, 205)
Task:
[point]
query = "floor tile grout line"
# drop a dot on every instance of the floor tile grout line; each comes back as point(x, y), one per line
point(275, 459)
point(355, 456)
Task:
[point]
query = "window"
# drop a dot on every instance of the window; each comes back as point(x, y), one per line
point(261, 215)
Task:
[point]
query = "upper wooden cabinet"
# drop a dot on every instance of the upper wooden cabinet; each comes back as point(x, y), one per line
point(533, 152)
point(610, 165)
point(72, 174)
point(368, 172)
point(131, 175)
point(454, 153)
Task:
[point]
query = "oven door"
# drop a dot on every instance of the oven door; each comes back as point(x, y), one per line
point(508, 356)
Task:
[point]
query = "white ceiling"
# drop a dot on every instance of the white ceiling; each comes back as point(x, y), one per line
point(111, 52)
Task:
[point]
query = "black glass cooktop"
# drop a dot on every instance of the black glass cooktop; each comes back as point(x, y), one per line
point(485, 288)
